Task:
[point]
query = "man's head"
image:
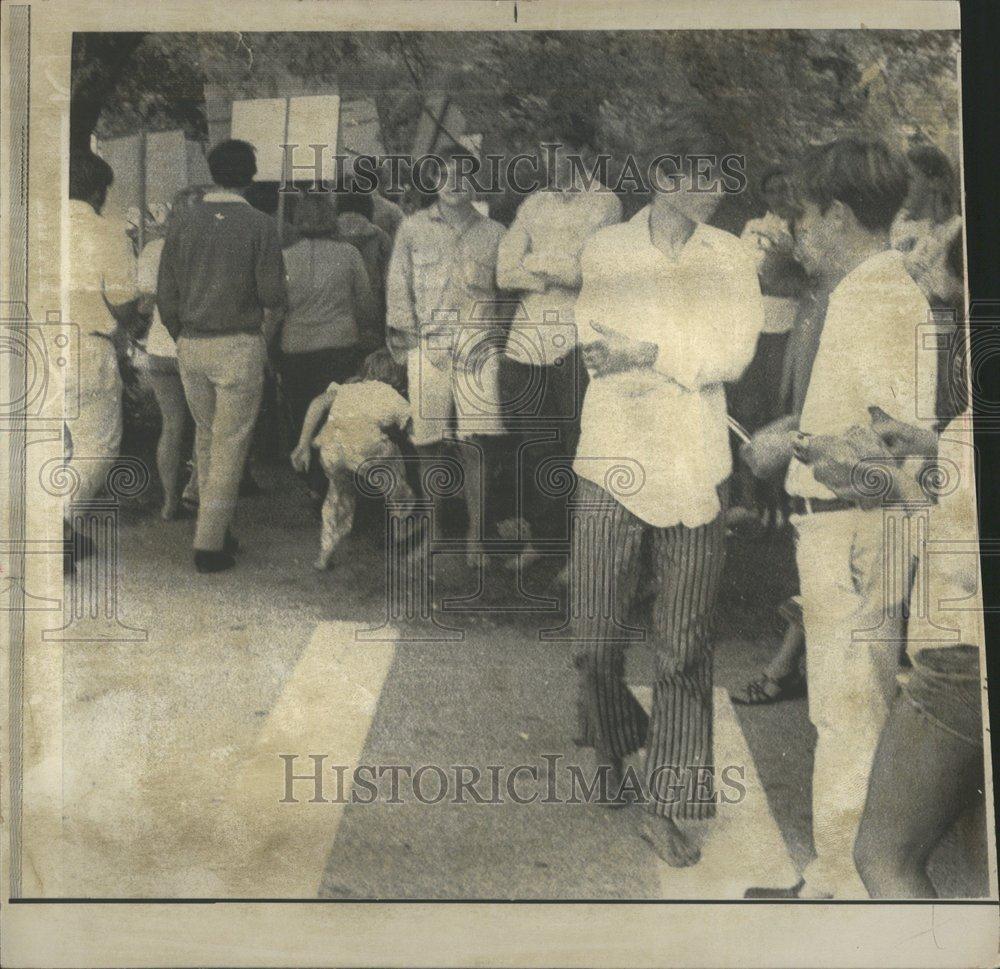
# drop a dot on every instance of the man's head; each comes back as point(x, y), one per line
point(574, 130)
point(458, 163)
point(775, 189)
point(847, 194)
point(90, 178)
point(233, 164)
point(690, 176)
point(353, 200)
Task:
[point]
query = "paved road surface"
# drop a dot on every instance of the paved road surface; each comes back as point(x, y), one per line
point(172, 769)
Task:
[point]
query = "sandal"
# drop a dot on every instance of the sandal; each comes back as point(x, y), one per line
point(760, 691)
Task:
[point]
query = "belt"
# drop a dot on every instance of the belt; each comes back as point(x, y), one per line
point(813, 506)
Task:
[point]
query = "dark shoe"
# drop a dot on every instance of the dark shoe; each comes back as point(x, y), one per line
point(77, 548)
point(792, 892)
point(213, 561)
point(761, 690)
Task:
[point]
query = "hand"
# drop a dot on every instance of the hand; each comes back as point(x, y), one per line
point(615, 353)
point(801, 449)
point(902, 439)
point(301, 457)
point(768, 452)
point(855, 466)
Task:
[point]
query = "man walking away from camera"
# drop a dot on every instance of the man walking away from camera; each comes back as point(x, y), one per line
point(221, 295)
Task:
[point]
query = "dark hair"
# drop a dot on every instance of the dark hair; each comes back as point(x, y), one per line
point(379, 365)
point(571, 128)
point(89, 176)
point(939, 202)
point(772, 173)
point(354, 200)
point(314, 217)
point(930, 161)
point(866, 175)
point(232, 163)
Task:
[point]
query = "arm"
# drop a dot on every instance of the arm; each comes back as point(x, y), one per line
point(397, 410)
point(717, 339)
point(401, 316)
point(315, 415)
point(147, 269)
point(605, 350)
point(118, 282)
point(168, 291)
point(270, 276)
point(885, 324)
point(514, 247)
point(564, 268)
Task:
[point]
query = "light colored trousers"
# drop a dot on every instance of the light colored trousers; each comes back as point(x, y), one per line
point(854, 637)
point(96, 431)
point(223, 379)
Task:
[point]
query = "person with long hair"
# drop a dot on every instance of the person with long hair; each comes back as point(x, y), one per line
point(928, 224)
point(332, 311)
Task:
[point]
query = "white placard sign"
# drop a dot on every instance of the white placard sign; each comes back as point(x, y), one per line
point(262, 123)
point(310, 121)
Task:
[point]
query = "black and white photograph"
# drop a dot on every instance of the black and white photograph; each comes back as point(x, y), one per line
point(492, 464)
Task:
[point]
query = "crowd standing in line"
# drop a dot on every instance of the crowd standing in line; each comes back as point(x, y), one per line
point(395, 334)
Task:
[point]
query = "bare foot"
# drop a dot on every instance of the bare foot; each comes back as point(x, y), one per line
point(321, 564)
point(169, 511)
point(669, 842)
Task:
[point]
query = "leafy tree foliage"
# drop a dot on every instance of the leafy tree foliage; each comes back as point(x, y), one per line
point(764, 94)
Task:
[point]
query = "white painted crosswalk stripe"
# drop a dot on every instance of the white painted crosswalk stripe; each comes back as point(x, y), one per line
point(326, 707)
point(743, 846)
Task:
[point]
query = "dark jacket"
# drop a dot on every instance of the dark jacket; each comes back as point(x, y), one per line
point(221, 268)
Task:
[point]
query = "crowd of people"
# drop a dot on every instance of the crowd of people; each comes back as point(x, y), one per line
point(631, 345)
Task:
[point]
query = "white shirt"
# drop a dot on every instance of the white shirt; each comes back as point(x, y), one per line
point(358, 416)
point(547, 236)
point(868, 355)
point(101, 262)
point(667, 424)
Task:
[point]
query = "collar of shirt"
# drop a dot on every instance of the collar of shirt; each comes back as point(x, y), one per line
point(699, 243)
point(572, 193)
point(222, 195)
point(435, 214)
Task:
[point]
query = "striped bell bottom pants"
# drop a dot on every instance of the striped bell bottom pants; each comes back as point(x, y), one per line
point(680, 568)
